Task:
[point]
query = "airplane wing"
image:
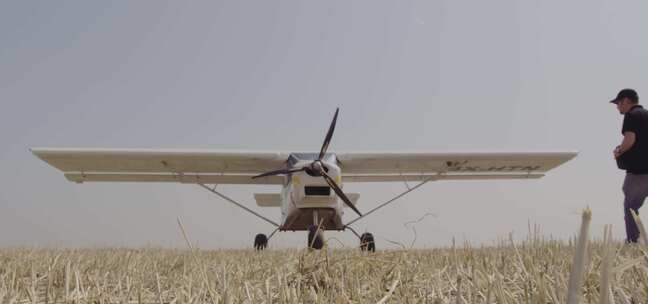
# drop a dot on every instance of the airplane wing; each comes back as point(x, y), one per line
point(184, 166)
point(418, 166)
point(234, 167)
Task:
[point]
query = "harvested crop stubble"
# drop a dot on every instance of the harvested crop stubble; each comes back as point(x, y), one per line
point(534, 271)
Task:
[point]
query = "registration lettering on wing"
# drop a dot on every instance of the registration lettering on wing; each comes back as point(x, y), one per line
point(466, 166)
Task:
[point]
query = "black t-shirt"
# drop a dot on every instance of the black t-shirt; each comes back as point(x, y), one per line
point(636, 120)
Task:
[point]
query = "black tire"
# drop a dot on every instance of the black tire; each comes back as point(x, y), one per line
point(367, 242)
point(315, 239)
point(260, 241)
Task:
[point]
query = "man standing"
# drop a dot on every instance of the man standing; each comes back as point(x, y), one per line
point(632, 155)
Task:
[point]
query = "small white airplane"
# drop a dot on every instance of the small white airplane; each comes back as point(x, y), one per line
point(311, 197)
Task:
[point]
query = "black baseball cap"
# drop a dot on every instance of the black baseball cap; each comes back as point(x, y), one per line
point(626, 93)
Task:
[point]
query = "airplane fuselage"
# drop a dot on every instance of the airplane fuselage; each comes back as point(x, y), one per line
point(307, 199)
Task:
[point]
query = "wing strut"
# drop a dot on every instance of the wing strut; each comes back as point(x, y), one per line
point(213, 190)
point(432, 177)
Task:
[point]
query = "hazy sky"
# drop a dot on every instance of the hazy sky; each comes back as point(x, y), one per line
point(268, 75)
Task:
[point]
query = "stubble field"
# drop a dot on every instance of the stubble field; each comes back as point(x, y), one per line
point(533, 271)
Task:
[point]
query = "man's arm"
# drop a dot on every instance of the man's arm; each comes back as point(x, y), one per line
point(629, 139)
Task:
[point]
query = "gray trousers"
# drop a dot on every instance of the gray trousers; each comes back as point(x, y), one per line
point(635, 190)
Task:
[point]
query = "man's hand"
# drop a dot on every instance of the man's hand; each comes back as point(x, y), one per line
point(629, 139)
point(617, 152)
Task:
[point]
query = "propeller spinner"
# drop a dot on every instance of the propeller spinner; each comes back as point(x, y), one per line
point(318, 168)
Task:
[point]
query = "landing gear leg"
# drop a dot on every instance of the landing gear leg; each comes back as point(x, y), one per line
point(315, 235)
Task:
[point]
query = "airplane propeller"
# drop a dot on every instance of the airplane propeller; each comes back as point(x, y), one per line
point(318, 168)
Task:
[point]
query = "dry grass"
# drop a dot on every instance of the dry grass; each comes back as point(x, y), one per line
point(534, 271)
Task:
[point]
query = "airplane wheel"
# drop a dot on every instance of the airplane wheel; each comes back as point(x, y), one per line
point(367, 242)
point(318, 241)
point(260, 241)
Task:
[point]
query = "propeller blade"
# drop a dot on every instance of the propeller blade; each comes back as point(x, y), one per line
point(329, 134)
point(278, 172)
point(339, 192)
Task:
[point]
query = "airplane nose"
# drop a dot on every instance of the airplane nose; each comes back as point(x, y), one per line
point(317, 166)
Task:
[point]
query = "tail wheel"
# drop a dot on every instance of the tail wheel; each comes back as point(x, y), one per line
point(315, 238)
point(367, 242)
point(260, 241)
